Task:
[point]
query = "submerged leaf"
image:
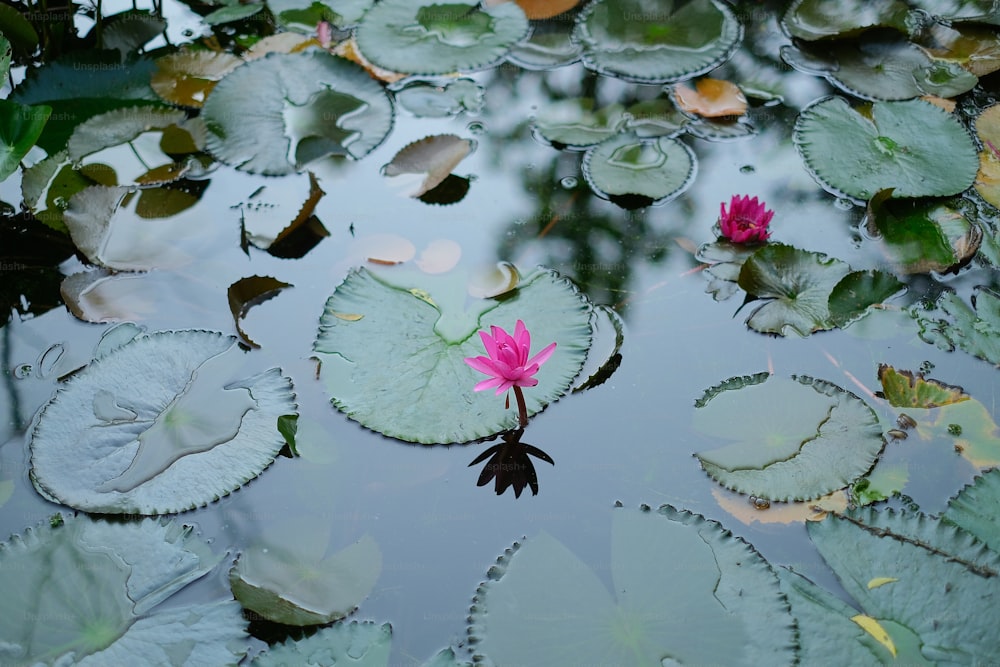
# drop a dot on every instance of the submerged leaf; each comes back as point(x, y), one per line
point(657, 40)
point(817, 19)
point(396, 365)
point(830, 439)
point(913, 147)
point(711, 98)
point(94, 589)
point(576, 124)
point(676, 577)
point(164, 423)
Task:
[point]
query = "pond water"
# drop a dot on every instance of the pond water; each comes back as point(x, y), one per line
point(631, 439)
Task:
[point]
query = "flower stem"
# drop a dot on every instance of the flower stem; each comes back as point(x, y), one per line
point(522, 409)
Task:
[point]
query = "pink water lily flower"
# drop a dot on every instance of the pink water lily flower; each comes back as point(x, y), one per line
point(746, 221)
point(508, 363)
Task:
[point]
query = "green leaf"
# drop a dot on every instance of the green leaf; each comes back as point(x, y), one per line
point(129, 31)
point(292, 581)
point(315, 105)
point(816, 19)
point(118, 127)
point(913, 147)
point(305, 14)
point(858, 293)
point(883, 482)
point(18, 30)
point(916, 575)
point(392, 357)
point(829, 440)
point(576, 124)
point(428, 100)
point(626, 168)
point(231, 13)
point(924, 235)
point(20, 127)
point(358, 644)
point(5, 54)
point(798, 284)
point(975, 330)
point(167, 422)
point(976, 509)
point(656, 41)
point(675, 577)
point(91, 592)
point(549, 46)
point(905, 389)
point(426, 37)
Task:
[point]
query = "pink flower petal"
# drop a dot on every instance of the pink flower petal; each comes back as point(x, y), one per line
point(542, 356)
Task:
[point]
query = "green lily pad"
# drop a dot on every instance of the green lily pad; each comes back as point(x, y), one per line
point(629, 170)
point(165, 423)
point(675, 577)
point(883, 482)
point(880, 69)
point(576, 124)
point(976, 509)
point(725, 260)
point(975, 330)
point(798, 285)
point(232, 13)
point(118, 127)
point(20, 127)
point(293, 582)
point(427, 100)
point(305, 14)
point(91, 592)
point(426, 37)
point(655, 118)
point(549, 46)
point(905, 389)
point(815, 19)
point(858, 293)
point(5, 53)
point(829, 440)
point(913, 147)
point(359, 644)
point(923, 581)
point(392, 357)
point(656, 41)
point(315, 105)
point(982, 11)
point(921, 235)
point(130, 30)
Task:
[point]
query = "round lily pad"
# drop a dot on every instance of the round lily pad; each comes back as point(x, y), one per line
point(89, 592)
point(676, 579)
point(656, 41)
point(427, 37)
point(830, 439)
point(392, 357)
point(279, 113)
point(816, 19)
point(165, 423)
point(914, 147)
point(647, 170)
point(576, 124)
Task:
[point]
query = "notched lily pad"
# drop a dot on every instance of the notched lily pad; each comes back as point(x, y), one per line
point(428, 100)
point(976, 509)
point(165, 423)
point(913, 147)
point(634, 172)
point(427, 37)
point(798, 285)
point(364, 644)
point(95, 589)
point(975, 330)
point(675, 577)
point(392, 356)
point(816, 19)
point(317, 105)
point(656, 41)
point(830, 439)
point(576, 124)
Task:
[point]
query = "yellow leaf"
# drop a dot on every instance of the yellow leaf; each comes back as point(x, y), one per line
point(348, 317)
point(880, 581)
point(875, 629)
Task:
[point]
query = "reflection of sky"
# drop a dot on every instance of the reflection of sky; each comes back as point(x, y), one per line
point(629, 440)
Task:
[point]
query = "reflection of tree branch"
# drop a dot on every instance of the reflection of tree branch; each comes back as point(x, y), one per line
point(510, 464)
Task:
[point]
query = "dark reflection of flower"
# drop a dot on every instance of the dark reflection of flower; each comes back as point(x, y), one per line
point(510, 464)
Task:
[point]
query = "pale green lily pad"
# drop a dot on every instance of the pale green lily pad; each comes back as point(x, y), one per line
point(90, 592)
point(676, 578)
point(576, 124)
point(924, 235)
point(924, 581)
point(392, 357)
point(358, 644)
point(798, 285)
point(130, 30)
point(118, 127)
point(817, 19)
point(983, 11)
point(165, 423)
point(829, 440)
point(913, 147)
point(305, 14)
point(549, 46)
point(639, 172)
point(976, 509)
point(859, 293)
point(428, 100)
point(233, 12)
point(426, 37)
point(883, 482)
point(975, 330)
point(316, 105)
point(655, 118)
point(20, 127)
point(656, 41)
point(294, 583)
point(725, 260)
point(880, 69)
